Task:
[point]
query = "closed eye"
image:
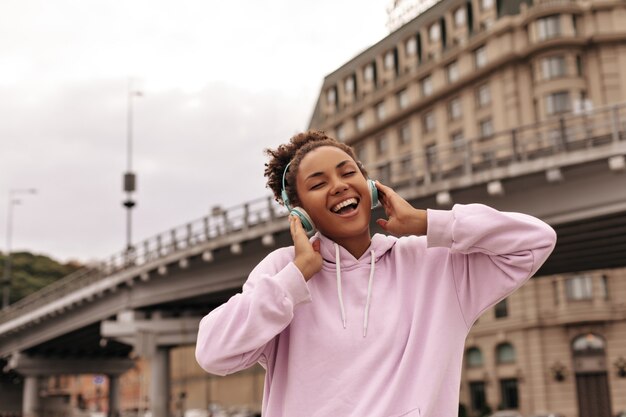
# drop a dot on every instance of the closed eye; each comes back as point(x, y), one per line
point(316, 186)
point(348, 174)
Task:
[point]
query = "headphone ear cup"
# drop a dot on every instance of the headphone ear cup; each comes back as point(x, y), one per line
point(307, 223)
point(373, 192)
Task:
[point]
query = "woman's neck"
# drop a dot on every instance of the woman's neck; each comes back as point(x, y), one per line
point(355, 245)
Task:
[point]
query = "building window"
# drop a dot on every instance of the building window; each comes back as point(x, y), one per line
point(381, 145)
point(474, 357)
point(588, 343)
point(331, 96)
point(360, 153)
point(558, 102)
point(341, 134)
point(457, 140)
point(483, 95)
point(579, 288)
point(411, 46)
point(404, 135)
point(549, 27)
point(434, 32)
point(477, 395)
point(455, 110)
point(431, 154)
point(486, 4)
point(403, 99)
point(459, 17)
point(349, 85)
point(502, 309)
point(359, 120)
point(405, 165)
point(380, 110)
point(579, 65)
point(369, 73)
point(486, 129)
point(389, 60)
point(480, 57)
point(427, 86)
point(505, 353)
point(553, 67)
point(453, 71)
point(428, 121)
point(604, 287)
point(509, 394)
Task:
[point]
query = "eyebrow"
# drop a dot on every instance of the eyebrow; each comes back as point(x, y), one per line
point(317, 174)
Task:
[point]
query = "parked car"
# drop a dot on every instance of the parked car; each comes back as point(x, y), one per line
point(506, 413)
point(546, 414)
point(196, 412)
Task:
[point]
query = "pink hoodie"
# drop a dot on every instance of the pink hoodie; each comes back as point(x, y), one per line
point(379, 336)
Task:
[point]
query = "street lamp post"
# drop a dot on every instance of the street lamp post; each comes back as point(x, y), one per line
point(130, 180)
point(6, 281)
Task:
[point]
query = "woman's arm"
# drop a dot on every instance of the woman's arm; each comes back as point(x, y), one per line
point(241, 332)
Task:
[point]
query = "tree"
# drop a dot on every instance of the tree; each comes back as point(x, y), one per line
point(31, 272)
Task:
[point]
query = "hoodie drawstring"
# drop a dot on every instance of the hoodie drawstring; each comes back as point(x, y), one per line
point(339, 293)
point(369, 295)
point(369, 290)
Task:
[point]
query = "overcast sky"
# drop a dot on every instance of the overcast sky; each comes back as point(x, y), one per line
point(221, 82)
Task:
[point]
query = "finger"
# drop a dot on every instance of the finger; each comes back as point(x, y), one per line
point(316, 245)
point(383, 188)
point(299, 233)
point(382, 223)
point(292, 229)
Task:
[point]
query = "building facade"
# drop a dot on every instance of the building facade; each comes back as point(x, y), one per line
point(465, 70)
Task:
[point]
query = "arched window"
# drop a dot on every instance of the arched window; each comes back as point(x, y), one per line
point(474, 357)
point(505, 353)
point(588, 343)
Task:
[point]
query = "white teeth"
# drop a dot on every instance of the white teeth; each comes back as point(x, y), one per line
point(343, 204)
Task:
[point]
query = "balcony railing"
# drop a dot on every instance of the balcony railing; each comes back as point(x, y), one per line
point(558, 135)
point(569, 133)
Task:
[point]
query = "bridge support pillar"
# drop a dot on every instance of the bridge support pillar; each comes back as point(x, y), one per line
point(114, 396)
point(160, 384)
point(152, 339)
point(30, 402)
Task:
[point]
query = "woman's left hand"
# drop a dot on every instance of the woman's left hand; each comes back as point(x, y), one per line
point(403, 218)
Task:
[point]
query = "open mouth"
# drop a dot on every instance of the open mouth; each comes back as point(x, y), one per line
point(346, 207)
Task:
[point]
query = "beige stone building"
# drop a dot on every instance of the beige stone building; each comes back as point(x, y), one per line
point(465, 70)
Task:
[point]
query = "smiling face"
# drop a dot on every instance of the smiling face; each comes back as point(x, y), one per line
point(335, 194)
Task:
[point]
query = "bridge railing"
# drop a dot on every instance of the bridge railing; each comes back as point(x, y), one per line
point(456, 158)
point(219, 223)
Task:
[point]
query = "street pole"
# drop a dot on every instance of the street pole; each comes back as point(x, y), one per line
point(6, 280)
point(129, 176)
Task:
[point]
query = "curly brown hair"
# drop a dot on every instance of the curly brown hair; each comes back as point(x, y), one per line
point(293, 151)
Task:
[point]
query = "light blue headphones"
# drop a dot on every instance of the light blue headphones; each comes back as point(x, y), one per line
point(305, 219)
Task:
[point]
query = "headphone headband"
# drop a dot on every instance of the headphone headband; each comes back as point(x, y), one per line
point(283, 194)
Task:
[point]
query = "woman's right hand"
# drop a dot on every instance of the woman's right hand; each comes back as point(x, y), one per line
point(308, 258)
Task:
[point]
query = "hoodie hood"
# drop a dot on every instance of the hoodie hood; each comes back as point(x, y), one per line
point(340, 258)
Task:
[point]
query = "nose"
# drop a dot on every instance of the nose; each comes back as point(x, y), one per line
point(338, 185)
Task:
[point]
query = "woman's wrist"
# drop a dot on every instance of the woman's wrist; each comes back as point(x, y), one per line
point(305, 268)
point(419, 225)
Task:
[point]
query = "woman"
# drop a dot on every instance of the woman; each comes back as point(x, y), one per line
point(351, 325)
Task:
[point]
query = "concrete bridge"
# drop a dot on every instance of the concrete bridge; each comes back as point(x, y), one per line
point(569, 171)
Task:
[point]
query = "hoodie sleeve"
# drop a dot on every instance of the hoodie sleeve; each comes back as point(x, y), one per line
point(492, 253)
point(242, 331)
